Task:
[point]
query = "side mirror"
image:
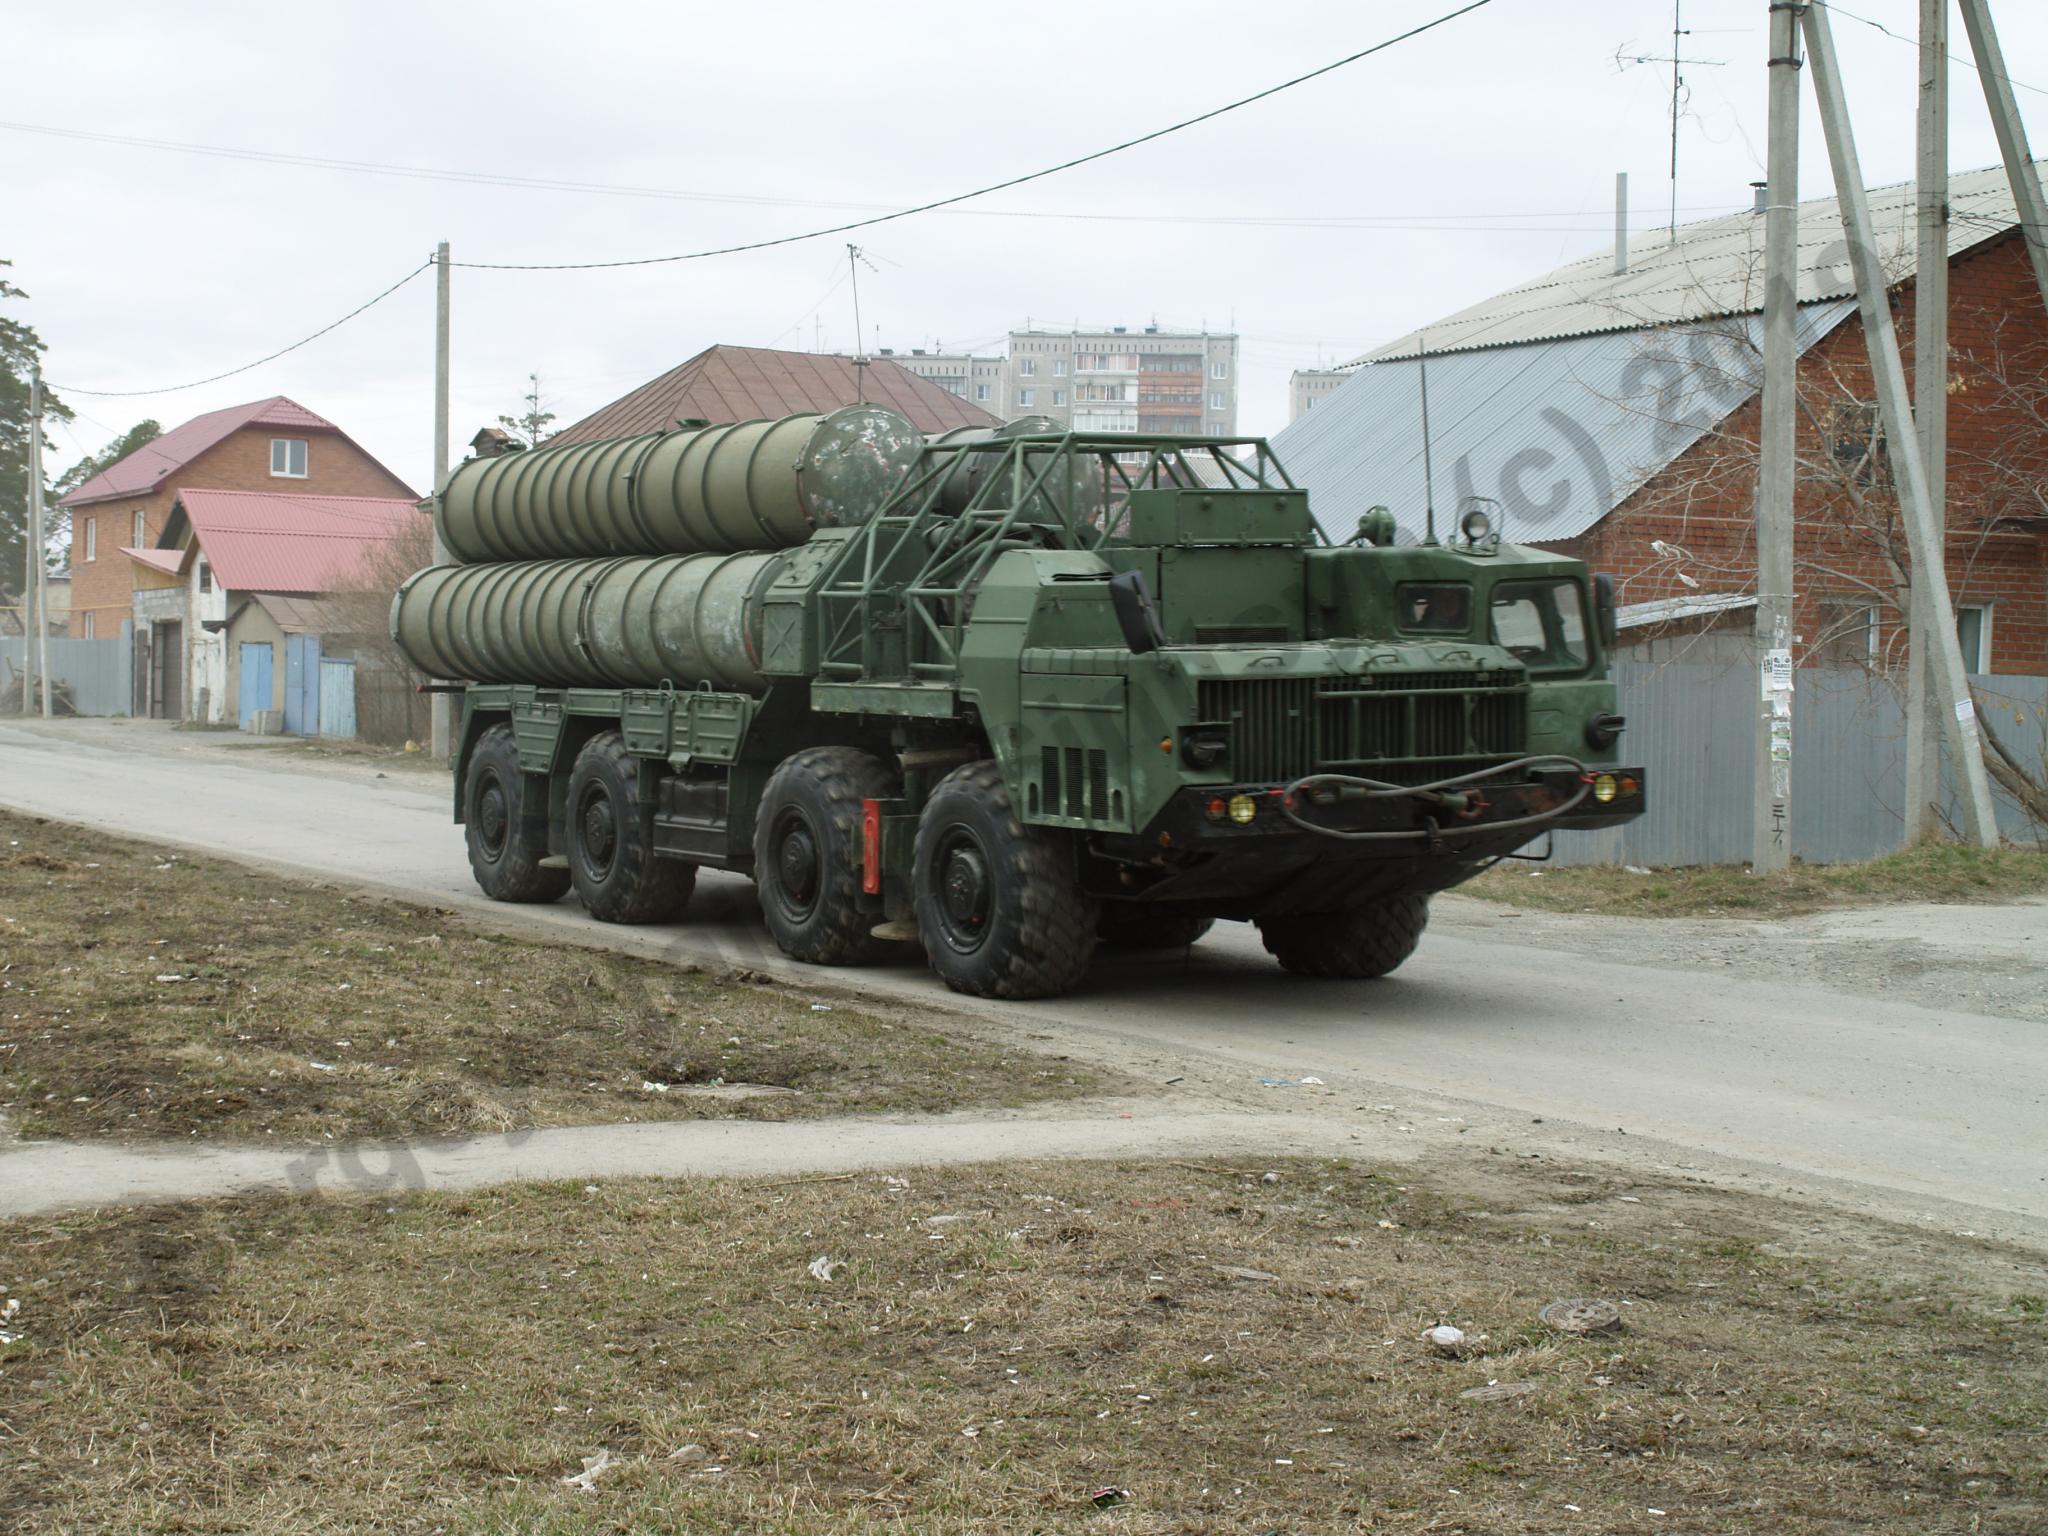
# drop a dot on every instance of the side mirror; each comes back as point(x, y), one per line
point(1136, 615)
point(1605, 611)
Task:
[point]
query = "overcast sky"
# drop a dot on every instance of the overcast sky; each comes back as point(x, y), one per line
point(1432, 175)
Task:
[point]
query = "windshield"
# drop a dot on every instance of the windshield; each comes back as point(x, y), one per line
point(1434, 607)
point(1543, 623)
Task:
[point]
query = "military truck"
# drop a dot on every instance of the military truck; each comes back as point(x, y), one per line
point(1009, 695)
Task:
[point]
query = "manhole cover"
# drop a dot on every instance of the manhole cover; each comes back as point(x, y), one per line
point(1580, 1316)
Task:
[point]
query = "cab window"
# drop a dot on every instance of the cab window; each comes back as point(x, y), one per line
point(1433, 607)
point(1542, 623)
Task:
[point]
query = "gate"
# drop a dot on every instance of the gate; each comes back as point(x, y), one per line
point(256, 690)
point(337, 696)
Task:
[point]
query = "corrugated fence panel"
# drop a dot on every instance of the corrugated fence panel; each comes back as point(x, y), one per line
point(1690, 726)
point(96, 671)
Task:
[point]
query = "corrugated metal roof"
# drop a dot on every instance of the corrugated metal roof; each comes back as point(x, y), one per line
point(1714, 267)
point(1559, 433)
point(267, 541)
point(150, 465)
point(723, 384)
point(1667, 610)
point(169, 561)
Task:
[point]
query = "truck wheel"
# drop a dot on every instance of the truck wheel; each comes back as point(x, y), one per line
point(1356, 945)
point(612, 861)
point(997, 906)
point(807, 855)
point(506, 839)
point(1124, 926)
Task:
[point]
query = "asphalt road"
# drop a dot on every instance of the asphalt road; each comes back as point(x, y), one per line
point(1924, 1114)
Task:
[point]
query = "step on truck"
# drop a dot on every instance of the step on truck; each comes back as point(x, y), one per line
point(1009, 695)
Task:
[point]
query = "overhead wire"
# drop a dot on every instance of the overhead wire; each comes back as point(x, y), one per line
point(1000, 186)
point(1914, 42)
point(172, 389)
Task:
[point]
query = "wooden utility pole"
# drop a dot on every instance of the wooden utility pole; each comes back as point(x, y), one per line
point(438, 712)
point(1930, 411)
point(1924, 534)
point(1771, 845)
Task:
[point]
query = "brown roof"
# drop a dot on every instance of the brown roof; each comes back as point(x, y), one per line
point(743, 383)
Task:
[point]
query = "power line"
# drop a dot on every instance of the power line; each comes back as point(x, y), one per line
point(1397, 221)
point(1000, 186)
point(171, 389)
point(1900, 37)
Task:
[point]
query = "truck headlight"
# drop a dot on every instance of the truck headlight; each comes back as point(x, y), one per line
point(1242, 809)
point(1203, 749)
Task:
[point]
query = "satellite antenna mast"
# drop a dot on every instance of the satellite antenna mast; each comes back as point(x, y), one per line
point(1428, 468)
point(855, 259)
point(1679, 31)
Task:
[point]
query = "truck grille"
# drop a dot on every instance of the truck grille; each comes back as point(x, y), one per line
point(1404, 728)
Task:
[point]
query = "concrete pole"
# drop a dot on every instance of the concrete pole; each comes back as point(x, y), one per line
point(1771, 843)
point(1951, 687)
point(1930, 411)
point(38, 559)
point(439, 728)
point(2012, 137)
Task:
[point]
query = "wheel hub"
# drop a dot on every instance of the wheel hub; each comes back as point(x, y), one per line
point(796, 863)
point(964, 886)
point(492, 817)
point(600, 831)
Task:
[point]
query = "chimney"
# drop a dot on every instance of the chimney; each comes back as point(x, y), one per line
point(1762, 198)
point(1621, 221)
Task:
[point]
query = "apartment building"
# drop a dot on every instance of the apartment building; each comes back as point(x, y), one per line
point(1150, 379)
point(1309, 387)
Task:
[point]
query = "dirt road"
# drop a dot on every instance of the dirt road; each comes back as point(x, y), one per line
point(1894, 1062)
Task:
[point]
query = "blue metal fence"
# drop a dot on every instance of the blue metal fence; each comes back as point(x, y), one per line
point(1690, 725)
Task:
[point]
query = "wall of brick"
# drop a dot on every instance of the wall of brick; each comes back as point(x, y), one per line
point(104, 586)
point(1701, 507)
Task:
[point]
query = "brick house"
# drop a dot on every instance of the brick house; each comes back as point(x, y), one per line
point(233, 575)
point(265, 445)
point(1609, 410)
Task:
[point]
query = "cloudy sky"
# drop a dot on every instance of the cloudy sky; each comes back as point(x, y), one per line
point(1315, 223)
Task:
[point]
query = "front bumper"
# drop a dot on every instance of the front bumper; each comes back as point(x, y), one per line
point(1476, 819)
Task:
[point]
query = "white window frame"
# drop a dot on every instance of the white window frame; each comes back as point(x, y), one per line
point(981, 391)
point(1216, 400)
point(90, 630)
point(1979, 664)
point(1219, 370)
point(1027, 366)
point(1059, 367)
point(140, 541)
point(1026, 396)
point(1059, 397)
point(92, 539)
point(288, 444)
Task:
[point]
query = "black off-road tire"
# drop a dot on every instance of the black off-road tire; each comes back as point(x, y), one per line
point(1125, 926)
point(610, 832)
point(997, 905)
point(1355, 945)
point(507, 838)
point(807, 855)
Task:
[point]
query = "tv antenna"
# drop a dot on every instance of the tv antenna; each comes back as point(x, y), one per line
point(856, 258)
point(1680, 92)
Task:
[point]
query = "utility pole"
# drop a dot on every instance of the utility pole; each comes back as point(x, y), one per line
point(1924, 534)
point(35, 590)
point(2012, 137)
point(1771, 845)
point(438, 713)
point(1930, 412)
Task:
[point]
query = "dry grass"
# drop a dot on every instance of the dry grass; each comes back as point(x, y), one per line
point(1942, 872)
point(1000, 1343)
point(151, 993)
